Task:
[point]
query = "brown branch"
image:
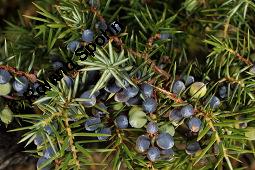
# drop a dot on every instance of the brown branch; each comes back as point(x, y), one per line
point(169, 95)
point(152, 39)
point(241, 58)
point(13, 70)
point(97, 13)
point(71, 142)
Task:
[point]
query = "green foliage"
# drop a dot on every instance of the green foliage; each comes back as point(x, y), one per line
point(210, 40)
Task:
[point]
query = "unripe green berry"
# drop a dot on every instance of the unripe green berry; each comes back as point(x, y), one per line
point(5, 89)
point(6, 115)
point(197, 90)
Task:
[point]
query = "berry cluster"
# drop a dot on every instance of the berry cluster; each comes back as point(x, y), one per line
point(60, 71)
point(88, 36)
point(186, 113)
point(49, 151)
point(21, 86)
point(162, 149)
point(8, 83)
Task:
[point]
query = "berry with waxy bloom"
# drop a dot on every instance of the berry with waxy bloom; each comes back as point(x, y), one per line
point(214, 102)
point(147, 90)
point(121, 121)
point(21, 84)
point(121, 96)
point(165, 141)
point(192, 148)
point(188, 80)
point(92, 123)
point(49, 129)
point(175, 116)
point(72, 46)
point(187, 111)
point(131, 91)
point(143, 143)
point(91, 99)
point(38, 140)
point(40, 162)
point(106, 131)
point(153, 154)
point(87, 35)
point(223, 92)
point(149, 105)
point(194, 124)
point(48, 152)
point(112, 87)
point(68, 80)
point(152, 128)
point(5, 76)
point(178, 87)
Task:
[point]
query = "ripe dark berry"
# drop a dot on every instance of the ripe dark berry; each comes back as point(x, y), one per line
point(68, 80)
point(21, 84)
point(175, 116)
point(188, 80)
point(48, 152)
point(5, 76)
point(167, 154)
point(112, 87)
point(152, 128)
point(192, 148)
point(87, 35)
point(49, 129)
point(194, 124)
point(91, 99)
point(153, 154)
point(121, 121)
point(40, 162)
point(101, 25)
point(38, 140)
point(121, 96)
point(223, 92)
point(147, 90)
point(143, 143)
point(165, 141)
point(131, 91)
point(164, 36)
point(104, 131)
point(149, 105)
point(214, 102)
point(187, 111)
point(73, 46)
point(93, 123)
point(178, 87)
point(134, 101)
point(57, 65)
